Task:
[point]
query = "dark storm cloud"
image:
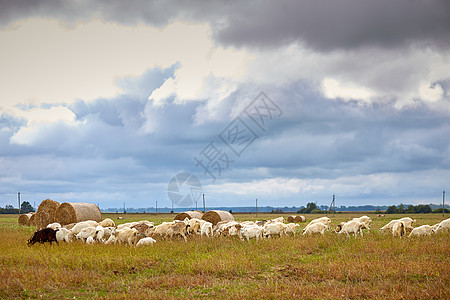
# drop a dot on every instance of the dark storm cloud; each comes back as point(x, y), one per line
point(323, 25)
point(329, 25)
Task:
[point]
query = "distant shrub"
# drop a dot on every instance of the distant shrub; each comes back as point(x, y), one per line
point(439, 211)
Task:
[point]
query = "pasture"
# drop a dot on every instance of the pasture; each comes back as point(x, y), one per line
point(301, 267)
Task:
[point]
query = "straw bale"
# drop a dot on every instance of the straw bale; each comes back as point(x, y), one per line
point(216, 216)
point(189, 214)
point(33, 220)
point(77, 212)
point(45, 213)
point(296, 219)
point(24, 219)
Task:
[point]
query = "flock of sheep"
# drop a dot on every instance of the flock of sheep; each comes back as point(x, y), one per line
point(146, 233)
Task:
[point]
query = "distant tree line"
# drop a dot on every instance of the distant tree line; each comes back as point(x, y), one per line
point(411, 209)
point(25, 207)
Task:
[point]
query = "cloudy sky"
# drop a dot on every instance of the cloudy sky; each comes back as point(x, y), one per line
point(284, 101)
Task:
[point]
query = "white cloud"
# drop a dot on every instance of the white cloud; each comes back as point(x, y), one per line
point(431, 93)
point(38, 119)
point(333, 89)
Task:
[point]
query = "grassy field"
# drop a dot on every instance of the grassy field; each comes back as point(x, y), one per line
point(330, 266)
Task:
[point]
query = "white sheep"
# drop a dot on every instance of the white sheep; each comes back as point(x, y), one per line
point(145, 242)
point(421, 231)
point(54, 225)
point(316, 228)
point(250, 232)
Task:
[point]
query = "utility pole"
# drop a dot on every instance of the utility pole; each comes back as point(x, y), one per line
point(204, 207)
point(124, 211)
point(443, 203)
point(18, 198)
point(256, 207)
point(156, 209)
point(332, 205)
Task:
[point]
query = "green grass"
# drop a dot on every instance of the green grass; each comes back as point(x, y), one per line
point(329, 266)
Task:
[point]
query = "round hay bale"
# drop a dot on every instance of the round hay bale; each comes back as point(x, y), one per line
point(216, 216)
point(32, 220)
point(296, 219)
point(189, 214)
point(45, 213)
point(24, 219)
point(77, 212)
point(300, 219)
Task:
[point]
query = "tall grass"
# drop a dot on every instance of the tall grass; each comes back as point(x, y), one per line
point(329, 266)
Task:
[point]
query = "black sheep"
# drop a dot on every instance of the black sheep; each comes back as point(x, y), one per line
point(42, 236)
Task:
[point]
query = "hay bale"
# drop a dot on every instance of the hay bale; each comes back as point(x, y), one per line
point(33, 220)
point(24, 219)
point(216, 216)
point(45, 213)
point(189, 214)
point(296, 219)
point(77, 212)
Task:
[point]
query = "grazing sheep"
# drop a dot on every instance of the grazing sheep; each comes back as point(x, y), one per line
point(407, 222)
point(86, 232)
point(54, 225)
point(141, 227)
point(43, 235)
point(399, 229)
point(128, 236)
point(107, 223)
point(80, 225)
point(90, 240)
point(271, 229)
point(145, 242)
point(421, 231)
point(112, 240)
point(206, 229)
point(291, 228)
point(352, 227)
point(64, 234)
point(178, 229)
point(365, 220)
point(250, 232)
point(324, 220)
point(231, 229)
point(279, 219)
point(126, 225)
point(316, 228)
point(195, 225)
point(160, 230)
point(444, 226)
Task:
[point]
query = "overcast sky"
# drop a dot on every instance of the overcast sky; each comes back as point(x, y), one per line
point(288, 102)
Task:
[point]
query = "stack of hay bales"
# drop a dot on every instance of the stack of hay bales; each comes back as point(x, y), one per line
point(77, 212)
point(45, 213)
point(189, 214)
point(216, 216)
point(24, 219)
point(296, 219)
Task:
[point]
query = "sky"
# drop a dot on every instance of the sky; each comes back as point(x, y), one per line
point(287, 102)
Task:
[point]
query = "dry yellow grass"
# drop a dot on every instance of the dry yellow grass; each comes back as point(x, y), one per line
point(329, 266)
